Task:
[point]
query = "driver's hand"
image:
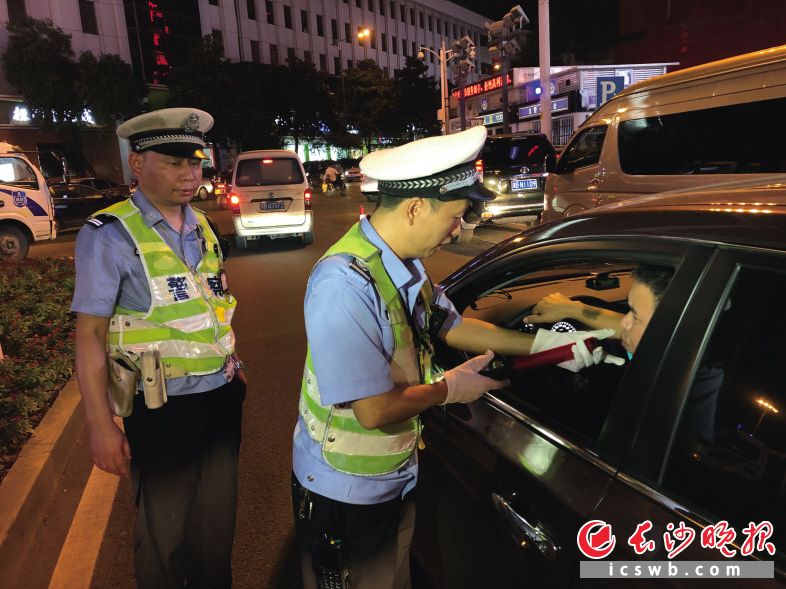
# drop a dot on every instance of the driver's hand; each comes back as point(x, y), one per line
point(553, 308)
point(582, 357)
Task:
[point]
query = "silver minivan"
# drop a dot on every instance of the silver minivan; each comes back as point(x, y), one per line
point(717, 122)
point(270, 197)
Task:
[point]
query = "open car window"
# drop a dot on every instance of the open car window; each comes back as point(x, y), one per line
point(574, 405)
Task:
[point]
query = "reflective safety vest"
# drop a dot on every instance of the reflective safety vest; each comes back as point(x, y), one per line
point(346, 445)
point(189, 318)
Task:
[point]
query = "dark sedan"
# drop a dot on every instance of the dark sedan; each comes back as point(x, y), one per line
point(74, 203)
point(688, 434)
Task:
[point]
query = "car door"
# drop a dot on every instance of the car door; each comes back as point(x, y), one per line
point(507, 481)
point(710, 446)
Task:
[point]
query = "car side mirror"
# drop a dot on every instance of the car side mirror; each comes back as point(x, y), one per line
point(550, 163)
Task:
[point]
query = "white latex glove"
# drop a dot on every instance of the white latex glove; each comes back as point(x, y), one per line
point(466, 385)
point(582, 357)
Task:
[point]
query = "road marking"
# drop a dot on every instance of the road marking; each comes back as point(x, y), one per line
point(78, 557)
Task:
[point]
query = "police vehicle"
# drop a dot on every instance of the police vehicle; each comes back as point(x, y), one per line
point(26, 209)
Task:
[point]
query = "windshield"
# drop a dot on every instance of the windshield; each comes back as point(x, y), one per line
point(516, 152)
point(268, 172)
point(17, 172)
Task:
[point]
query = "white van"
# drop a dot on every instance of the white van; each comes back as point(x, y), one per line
point(270, 197)
point(26, 210)
point(721, 121)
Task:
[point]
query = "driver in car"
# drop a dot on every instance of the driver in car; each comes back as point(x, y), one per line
point(649, 284)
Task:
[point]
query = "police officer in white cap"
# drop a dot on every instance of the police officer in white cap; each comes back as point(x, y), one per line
point(150, 287)
point(371, 314)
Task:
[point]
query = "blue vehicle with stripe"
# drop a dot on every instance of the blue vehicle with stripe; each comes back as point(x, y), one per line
point(26, 209)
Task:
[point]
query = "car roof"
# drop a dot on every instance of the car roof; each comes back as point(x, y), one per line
point(750, 213)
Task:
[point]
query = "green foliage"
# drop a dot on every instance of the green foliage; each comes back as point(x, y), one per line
point(236, 94)
point(369, 101)
point(108, 88)
point(39, 62)
point(417, 101)
point(37, 337)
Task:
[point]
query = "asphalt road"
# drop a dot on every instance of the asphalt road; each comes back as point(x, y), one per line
point(269, 281)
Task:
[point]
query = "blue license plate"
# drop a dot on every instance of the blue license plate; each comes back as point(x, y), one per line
point(276, 205)
point(523, 184)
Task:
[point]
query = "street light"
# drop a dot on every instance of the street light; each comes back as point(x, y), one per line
point(766, 407)
point(463, 49)
point(362, 34)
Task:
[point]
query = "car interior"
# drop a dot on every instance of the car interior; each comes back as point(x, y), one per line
point(581, 399)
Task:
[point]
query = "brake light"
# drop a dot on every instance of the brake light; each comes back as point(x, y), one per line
point(267, 161)
point(234, 200)
point(307, 199)
point(479, 169)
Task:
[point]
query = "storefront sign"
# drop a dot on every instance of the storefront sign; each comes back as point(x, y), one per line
point(492, 119)
point(533, 110)
point(20, 114)
point(483, 86)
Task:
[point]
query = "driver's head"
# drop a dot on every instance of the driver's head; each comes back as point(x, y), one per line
point(649, 284)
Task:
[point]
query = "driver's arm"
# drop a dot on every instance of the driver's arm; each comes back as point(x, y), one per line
point(474, 335)
point(557, 306)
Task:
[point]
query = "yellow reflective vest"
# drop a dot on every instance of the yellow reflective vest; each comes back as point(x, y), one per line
point(346, 445)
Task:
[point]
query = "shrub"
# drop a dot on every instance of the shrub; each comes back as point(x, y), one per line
point(37, 337)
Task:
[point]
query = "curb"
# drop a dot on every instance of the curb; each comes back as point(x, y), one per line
point(27, 489)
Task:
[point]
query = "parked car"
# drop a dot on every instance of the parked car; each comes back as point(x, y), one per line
point(682, 434)
point(74, 203)
point(270, 197)
point(514, 168)
point(711, 123)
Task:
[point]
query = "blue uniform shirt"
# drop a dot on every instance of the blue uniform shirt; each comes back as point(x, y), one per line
point(109, 273)
point(351, 343)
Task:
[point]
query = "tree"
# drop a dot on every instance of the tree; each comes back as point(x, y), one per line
point(370, 101)
point(39, 63)
point(304, 106)
point(417, 101)
point(236, 94)
point(108, 88)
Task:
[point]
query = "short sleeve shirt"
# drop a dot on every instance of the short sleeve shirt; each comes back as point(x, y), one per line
point(109, 274)
point(351, 342)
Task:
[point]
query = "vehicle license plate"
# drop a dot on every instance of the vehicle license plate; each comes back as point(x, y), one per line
point(523, 184)
point(275, 205)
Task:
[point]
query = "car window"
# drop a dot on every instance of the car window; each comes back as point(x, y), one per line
point(507, 151)
point(584, 150)
point(728, 457)
point(17, 172)
point(575, 404)
point(268, 172)
point(701, 141)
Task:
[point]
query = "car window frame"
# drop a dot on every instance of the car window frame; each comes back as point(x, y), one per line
point(613, 442)
point(566, 167)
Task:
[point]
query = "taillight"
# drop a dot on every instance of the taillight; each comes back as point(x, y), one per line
point(479, 169)
point(234, 200)
point(307, 199)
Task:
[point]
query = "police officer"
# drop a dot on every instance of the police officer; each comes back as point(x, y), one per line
point(150, 287)
point(371, 313)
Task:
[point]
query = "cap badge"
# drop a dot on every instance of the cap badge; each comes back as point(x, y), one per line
point(192, 122)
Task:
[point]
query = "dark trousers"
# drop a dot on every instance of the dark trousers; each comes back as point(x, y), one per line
point(374, 540)
point(184, 476)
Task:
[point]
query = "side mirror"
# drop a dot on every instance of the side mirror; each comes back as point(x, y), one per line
point(550, 163)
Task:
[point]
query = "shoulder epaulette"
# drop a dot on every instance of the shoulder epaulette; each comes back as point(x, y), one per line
point(99, 221)
point(361, 269)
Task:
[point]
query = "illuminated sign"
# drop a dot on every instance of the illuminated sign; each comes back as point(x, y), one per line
point(20, 114)
point(533, 110)
point(492, 119)
point(483, 86)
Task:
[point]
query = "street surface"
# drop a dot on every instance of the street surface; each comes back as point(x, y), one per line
point(269, 281)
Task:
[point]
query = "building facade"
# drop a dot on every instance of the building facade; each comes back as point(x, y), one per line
point(576, 91)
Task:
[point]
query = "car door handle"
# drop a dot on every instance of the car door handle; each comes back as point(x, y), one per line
point(525, 533)
point(593, 183)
